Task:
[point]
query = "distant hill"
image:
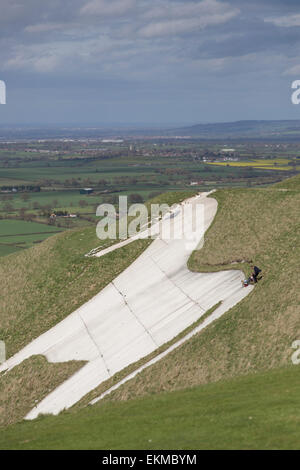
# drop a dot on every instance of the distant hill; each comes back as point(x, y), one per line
point(249, 130)
point(289, 130)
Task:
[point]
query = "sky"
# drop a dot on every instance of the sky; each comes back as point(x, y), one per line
point(148, 62)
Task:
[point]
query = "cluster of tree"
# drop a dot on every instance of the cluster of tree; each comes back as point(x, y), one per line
point(113, 199)
point(135, 198)
point(73, 182)
point(22, 188)
point(154, 194)
point(172, 171)
point(125, 180)
point(61, 213)
point(84, 182)
point(27, 216)
point(83, 203)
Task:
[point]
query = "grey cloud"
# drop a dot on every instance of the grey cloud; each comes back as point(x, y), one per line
point(249, 36)
point(172, 18)
point(44, 27)
point(285, 21)
point(107, 7)
point(148, 45)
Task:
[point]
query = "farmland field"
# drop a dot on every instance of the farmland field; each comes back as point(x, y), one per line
point(275, 164)
point(44, 284)
point(18, 234)
point(40, 178)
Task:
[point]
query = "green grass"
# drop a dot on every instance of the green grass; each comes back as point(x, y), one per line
point(37, 378)
point(250, 394)
point(59, 198)
point(8, 249)
point(44, 284)
point(40, 287)
point(278, 164)
point(28, 240)
point(260, 226)
point(136, 365)
point(18, 234)
point(13, 227)
point(289, 183)
point(255, 412)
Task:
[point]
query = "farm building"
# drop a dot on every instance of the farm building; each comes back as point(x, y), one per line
point(86, 191)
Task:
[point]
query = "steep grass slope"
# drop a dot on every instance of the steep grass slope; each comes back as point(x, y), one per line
point(253, 412)
point(28, 383)
point(259, 409)
point(292, 184)
point(39, 288)
point(262, 227)
point(42, 285)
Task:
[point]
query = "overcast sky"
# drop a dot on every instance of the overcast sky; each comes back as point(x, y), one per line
point(148, 61)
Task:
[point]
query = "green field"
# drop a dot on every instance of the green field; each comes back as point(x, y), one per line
point(8, 249)
point(10, 227)
point(255, 412)
point(230, 386)
point(280, 164)
point(60, 170)
point(18, 234)
point(40, 287)
point(252, 226)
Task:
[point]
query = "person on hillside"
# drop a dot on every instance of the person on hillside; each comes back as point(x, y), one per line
point(255, 273)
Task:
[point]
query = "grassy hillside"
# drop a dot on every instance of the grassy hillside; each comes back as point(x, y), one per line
point(254, 412)
point(39, 288)
point(28, 383)
point(19, 234)
point(42, 285)
point(285, 129)
point(289, 183)
point(262, 227)
point(165, 406)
